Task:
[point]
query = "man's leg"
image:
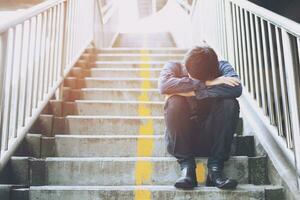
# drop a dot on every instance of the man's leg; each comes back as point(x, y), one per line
point(221, 123)
point(179, 134)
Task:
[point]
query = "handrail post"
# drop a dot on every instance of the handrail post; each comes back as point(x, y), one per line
point(229, 31)
point(292, 73)
point(3, 51)
point(63, 62)
point(98, 25)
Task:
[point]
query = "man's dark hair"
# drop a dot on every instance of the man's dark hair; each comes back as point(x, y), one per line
point(202, 63)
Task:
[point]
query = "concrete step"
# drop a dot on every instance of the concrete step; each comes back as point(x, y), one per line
point(139, 57)
point(138, 50)
point(120, 64)
point(243, 192)
point(89, 82)
point(111, 125)
point(145, 40)
point(115, 145)
point(114, 94)
point(95, 125)
point(130, 64)
point(79, 72)
point(122, 170)
point(117, 108)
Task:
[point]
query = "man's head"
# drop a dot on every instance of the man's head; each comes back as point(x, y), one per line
point(202, 63)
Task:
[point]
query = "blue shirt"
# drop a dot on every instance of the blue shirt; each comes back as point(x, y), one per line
point(174, 79)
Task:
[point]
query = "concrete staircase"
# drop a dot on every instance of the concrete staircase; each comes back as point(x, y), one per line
point(105, 140)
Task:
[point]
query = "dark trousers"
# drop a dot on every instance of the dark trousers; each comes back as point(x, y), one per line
point(200, 128)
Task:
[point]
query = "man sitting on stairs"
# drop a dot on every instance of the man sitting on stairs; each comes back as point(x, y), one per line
point(201, 114)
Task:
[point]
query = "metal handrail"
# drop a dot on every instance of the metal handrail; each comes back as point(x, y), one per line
point(264, 47)
point(37, 50)
point(276, 19)
point(185, 6)
point(28, 13)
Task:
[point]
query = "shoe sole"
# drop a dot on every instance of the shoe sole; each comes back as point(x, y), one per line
point(229, 186)
point(185, 186)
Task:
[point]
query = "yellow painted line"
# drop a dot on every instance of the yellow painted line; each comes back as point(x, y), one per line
point(200, 172)
point(144, 169)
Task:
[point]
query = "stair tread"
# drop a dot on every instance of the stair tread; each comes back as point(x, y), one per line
point(240, 187)
point(125, 159)
point(157, 136)
point(112, 117)
point(119, 78)
point(129, 62)
point(139, 54)
point(120, 102)
point(151, 48)
point(117, 89)
point(124, 69)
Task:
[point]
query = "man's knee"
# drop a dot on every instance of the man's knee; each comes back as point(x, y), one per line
point(231, 106)
point(176, 103)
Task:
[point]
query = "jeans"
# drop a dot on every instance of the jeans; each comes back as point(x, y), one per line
point(200, 128)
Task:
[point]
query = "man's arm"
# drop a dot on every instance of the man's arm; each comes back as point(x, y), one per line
point(217, 88)
point(172, 82)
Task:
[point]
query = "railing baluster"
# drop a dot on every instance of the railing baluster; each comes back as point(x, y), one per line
point(244, 50)
point(235, 42)
point(37, 62)
point(23, 73)
point(261, 67)
point(7, 91)
point(31, 57)
point(240, 55)
point(43, 61)
point(249, 56)
point(54, 39)
point(72, 31)
point(254, 56)
point(283, 86)
point(292, 73)
point(6, 44)
point(48, 52)
point(16, 81)
point(268, 75)
point(61, 47)
point(56, 46)
point(275, 85)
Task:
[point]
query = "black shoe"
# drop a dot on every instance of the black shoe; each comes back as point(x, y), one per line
point(188, 178)
point(215, 179)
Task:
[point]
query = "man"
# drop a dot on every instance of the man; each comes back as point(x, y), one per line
point(201, 114)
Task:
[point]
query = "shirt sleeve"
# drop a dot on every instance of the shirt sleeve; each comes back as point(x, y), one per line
point(221, 91)
point(172, 81)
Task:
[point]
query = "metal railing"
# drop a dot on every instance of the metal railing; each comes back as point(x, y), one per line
point(37, 50)
point(265, 49)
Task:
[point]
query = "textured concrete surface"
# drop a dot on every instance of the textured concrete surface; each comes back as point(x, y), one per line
point(113, 94)
point(95, 125)
point(104, 139)
point(258, 174)
point(109, 82)
point(137, 57)
point(98, 107)
point(112, 145)
point(78, 72)
point(4, 192)
point(138, 50)
point(243, 192)
point(121, 171)
point(128, 64)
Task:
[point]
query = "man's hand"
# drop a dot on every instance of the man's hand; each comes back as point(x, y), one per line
point(186, 94)
point(231, 81)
